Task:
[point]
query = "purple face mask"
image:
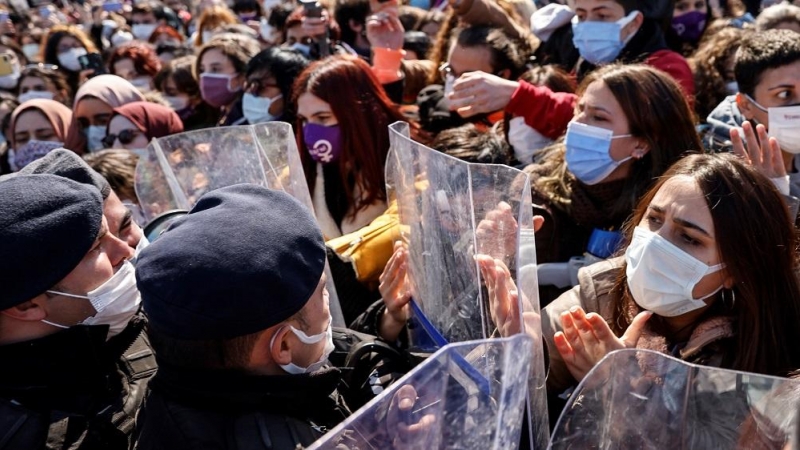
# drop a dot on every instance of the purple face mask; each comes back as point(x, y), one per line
point(324, 144)
point(31, 151)
point(689, 26)
point(216, 89)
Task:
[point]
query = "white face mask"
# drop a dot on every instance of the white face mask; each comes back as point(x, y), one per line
point(94, 137)
point(143, 243)
point(121, 38)
point(589, 152)
point(69, 59)
point(10, 81)
point(31, 51)
point(116, 301)
point(34, 95)
point(294, 369)
point(207, 35)
point(267, 31)
point(256, 109)
point(526, 141)
point(141, 83)
point(143, 31)
point(661, 276)
point(177, 103)
point(732, 87)
point(784, 125)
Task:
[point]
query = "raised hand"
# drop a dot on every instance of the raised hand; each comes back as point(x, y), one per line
point(480, 92)
point(396, 294)
point(763, 153)
point(586, 339)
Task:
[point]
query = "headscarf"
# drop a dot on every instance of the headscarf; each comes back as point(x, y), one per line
point(153, 120)
point(111, 89)
point(56, 113)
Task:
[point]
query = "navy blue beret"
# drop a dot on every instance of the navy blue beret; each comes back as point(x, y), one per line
point(47, 225)
point(67, 164)
point(245, 258)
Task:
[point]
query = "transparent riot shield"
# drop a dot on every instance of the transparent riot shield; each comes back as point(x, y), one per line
point(452, 215)
point(445, 404)
point(648, 400)
point(175, 171)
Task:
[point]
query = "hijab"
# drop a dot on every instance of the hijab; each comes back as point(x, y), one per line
point(153, 120)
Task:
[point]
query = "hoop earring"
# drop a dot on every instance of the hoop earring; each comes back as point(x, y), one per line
point(725, 298)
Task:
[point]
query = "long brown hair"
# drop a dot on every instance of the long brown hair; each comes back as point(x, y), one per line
point(757, 242)
point(364, 113)
point(657, 112)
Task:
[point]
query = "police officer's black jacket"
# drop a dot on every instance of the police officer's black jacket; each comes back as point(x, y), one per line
point(234, 410)
point(74, 390)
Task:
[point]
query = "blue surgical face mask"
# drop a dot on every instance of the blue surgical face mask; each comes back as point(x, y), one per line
point(600, 42)
point(302, 48)
point(94, 137)
point(588, 156)
point(256, 109)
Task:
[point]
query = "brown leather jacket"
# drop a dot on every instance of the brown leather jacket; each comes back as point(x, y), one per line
point(708, 344)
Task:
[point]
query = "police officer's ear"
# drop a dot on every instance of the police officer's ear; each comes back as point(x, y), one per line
point(280, 349)
point(32, 311)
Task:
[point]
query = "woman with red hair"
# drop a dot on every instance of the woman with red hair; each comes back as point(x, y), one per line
point(135, 62)
point(343, 115)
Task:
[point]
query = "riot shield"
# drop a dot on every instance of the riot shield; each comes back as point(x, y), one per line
point(176, 170)
point(452, 213)
point(445, 404)
point(644, 399)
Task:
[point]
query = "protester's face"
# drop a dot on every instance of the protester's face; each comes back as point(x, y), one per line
point(295, 34)
point(598, 107)
point(262, 84)
point(470, 59)
point(120, 222)
point(98, 265)
point(686, 6)
point(8, 53)
point(171, 90)
point(125, 69)
point(32, 124)
point(214, 61)
point(36, 84)
point(312, 109)
point(92, 111)
point(317, 317)
point(598, 10)
point(778, 87)
point(679, 213)
point(120, 124)
point(67, 43)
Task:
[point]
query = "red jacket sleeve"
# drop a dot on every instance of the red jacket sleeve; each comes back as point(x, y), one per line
point(675, 65)
point(545, 111)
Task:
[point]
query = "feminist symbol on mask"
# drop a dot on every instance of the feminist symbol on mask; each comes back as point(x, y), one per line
point(322, 151)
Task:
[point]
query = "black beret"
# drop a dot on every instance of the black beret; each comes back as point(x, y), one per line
point(47, 225)
point(245, 258)
point(68, 164)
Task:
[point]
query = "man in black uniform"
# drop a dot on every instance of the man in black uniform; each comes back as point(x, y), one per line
point(239, 320)
point(74, 353)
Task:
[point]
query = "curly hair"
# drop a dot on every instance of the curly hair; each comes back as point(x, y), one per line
point(709, 64)
point(143, 56)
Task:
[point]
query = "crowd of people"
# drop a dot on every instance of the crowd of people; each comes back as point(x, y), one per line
point(660, 138)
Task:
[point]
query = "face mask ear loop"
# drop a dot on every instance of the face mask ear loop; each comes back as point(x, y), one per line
point(82, 297)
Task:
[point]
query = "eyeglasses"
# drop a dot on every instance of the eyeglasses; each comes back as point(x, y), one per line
point(41, 66)
point(255, 86)
point(125, 137)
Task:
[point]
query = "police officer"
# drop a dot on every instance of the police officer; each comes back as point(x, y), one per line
point(72, 345)
point(239, 320)
point(68, 164)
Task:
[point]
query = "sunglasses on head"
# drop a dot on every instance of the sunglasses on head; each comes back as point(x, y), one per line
point(125, 137)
